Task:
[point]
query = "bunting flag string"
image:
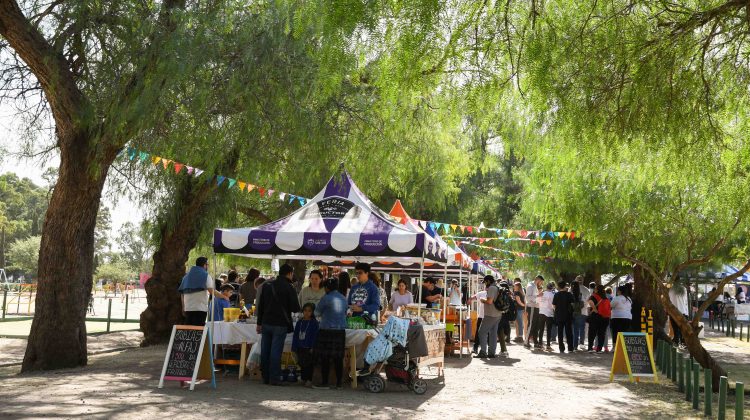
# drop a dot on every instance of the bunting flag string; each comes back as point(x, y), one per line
point(146, 157)
point(517, 234)
point(507, 251)
point(481, 240)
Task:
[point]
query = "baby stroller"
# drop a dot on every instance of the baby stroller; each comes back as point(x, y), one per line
point(389, 352)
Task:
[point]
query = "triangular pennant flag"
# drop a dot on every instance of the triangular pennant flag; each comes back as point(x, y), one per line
point(231, 183)
point(250, 187)
point(470, 229)
point(262, 191)
point(143, 156)
point(241, 185)
point(198, 172)
point(282, 196)
point(178, 167)
point(564, 242)
point(481, 240)
point(572, 234)
point(453, 227)
point(220, 179)
point(165, 162)
point(189, 170)
point(291, 198)
point(533, 242)
point(301, 201)
point(523, 233)
point(463, 229)
point(548, 241)
point(562, 234)
point(270, 192)
point(155, 160)
point(131, 153)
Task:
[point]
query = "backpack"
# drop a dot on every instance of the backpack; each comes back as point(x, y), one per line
point(512, 312)
point(501, 302)
point(604, 307)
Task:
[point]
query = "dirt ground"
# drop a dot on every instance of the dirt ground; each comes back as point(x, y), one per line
point(123, 384)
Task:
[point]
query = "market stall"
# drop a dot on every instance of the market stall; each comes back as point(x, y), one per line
point(339, 222)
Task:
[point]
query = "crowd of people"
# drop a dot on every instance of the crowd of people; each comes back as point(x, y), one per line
point(576, 317)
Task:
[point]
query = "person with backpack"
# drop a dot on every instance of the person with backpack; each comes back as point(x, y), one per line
point(621, 314)
point(506, 305)
point(488, 329)
point(600, 312)
point(580, 311)
point(563, 302)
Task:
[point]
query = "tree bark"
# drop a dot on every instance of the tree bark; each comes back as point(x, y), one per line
point(179, 234)
point(645, 295)
point(64, 281)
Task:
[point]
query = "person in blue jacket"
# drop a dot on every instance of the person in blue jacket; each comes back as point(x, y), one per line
point(364, 296)
point(221, 304)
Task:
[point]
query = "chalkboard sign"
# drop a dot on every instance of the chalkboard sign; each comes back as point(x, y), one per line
point(184, 354)
point(633, 356)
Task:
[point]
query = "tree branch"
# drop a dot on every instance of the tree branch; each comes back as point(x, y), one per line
point(719, 290)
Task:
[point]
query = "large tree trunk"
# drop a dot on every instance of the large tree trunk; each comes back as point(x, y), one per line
point(645, 294)
point(179, 234)
point(64, 281)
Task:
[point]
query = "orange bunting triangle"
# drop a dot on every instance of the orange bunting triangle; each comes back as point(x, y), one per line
point(250, 187)
point(463, 229)
point(470, 229)
point(165, 162)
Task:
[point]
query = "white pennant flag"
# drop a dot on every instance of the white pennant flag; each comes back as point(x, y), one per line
point(198, 172)
point(282, 196)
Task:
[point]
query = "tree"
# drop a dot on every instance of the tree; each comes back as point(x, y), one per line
point(116, 272)
point(135, 244)
point(102, 232)
point(24, 254)
point(100, 68)
point(22, 205)
point(656, 208)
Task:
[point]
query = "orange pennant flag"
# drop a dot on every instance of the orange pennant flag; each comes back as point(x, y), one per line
point(250, 187)
point(470, 229)
point(166, 162)
point(463, 229)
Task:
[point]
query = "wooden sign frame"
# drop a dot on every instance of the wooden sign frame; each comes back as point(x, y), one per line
point(621, 361)
point(203, 365)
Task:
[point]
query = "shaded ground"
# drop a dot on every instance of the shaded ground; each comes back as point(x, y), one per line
point(732, 354)
point(12, 349)
point(123, 384)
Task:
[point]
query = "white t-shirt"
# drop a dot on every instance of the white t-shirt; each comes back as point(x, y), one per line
point(480, 307)
point(546, 308)
point(198, 301)
point(622, 307)
point(679, 300)
point(585, 295)
point(455, 298)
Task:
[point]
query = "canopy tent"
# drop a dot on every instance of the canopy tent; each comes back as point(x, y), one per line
point(713, 276)
point(340, 221)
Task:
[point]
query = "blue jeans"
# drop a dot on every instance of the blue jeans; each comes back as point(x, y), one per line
point(579, 330)
point(271, 347)
point(519, 322)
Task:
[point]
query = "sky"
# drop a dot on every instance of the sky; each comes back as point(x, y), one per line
point(123, 210)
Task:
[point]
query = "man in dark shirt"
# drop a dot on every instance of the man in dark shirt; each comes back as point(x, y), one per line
point(276, 304)
point(431, 294)
point(563, 304)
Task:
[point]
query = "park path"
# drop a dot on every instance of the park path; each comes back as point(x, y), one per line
point(531, 385)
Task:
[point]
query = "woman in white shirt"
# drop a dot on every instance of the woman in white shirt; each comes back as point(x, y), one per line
point(621, 313)
point(455, 294)
point(548, 312)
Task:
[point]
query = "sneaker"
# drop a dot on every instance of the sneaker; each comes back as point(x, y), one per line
point(591, 351)
point(480, 355)
point(504, 354)
point(527, 346)
point(548, 348)
point(321, 387)
point(363, 372)
point(491, 356)
point(606, 349)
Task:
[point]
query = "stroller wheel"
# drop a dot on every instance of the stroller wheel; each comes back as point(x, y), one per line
point(419, 386)
point(375, 384)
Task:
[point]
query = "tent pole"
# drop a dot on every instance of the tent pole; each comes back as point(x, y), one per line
point(421, 280)
point(445, 291)
point(211, 317)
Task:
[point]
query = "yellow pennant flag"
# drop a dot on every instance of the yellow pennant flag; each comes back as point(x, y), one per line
point(562, 234)
point(241, 185)
point(453, 227)
point(155, 159)
point(548, 241)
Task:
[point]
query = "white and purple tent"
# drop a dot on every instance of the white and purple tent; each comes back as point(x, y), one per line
point(340, 221)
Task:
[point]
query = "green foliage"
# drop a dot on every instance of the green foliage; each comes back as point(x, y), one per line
point(23, 205)
point(135, 244)
point(23, 254)
point(117, 272)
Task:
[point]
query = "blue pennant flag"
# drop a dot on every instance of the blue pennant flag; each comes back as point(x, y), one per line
point(301, 201)
point(143, 156)
point(131, 153)
point(220, 179)
point(291, 198)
